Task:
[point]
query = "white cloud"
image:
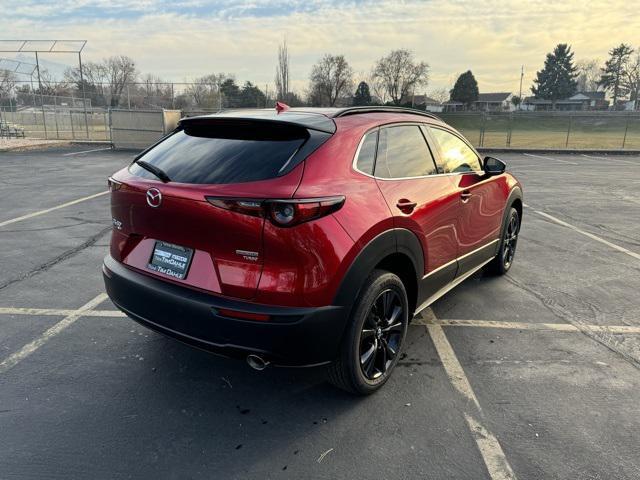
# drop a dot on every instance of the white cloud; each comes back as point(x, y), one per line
point(493, 38)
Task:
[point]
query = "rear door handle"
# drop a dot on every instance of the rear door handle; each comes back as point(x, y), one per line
point(406, 206)
point(465, 196)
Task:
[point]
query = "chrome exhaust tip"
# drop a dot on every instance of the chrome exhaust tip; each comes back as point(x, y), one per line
point(257, 363)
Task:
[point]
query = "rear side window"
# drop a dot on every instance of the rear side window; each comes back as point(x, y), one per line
point(403, 152)
point(230, 153)
point(456, 155)
point(367, 153)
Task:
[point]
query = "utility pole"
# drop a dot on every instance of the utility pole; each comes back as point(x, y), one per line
point(520, 93)
point(44, 118)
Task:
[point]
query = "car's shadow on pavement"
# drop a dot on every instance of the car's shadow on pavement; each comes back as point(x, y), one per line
point(182, 402)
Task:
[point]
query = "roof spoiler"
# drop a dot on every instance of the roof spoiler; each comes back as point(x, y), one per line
point(310, 121)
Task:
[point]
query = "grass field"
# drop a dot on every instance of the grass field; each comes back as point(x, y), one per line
point(523, 130)
point(61, 126)
point(548, 131)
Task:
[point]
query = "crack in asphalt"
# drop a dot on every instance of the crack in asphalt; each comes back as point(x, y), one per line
point(605, 231)
point(60, 258)
point(56, 227)
point(563, 312)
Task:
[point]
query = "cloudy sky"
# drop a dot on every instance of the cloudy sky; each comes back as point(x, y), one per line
point(183, 40)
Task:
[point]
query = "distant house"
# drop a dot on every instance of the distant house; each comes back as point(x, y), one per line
point(581, 101)
point(494, 102)
point(628, 105)
point(453, 106)
point(423, 102)
point(487, 102)
point(427, 103)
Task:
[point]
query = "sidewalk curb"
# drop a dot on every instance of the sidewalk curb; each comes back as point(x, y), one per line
point(558, 150)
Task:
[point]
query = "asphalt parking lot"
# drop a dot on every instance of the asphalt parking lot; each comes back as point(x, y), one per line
point(532, 375)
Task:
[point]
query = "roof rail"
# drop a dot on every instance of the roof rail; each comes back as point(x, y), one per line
point(355, 110)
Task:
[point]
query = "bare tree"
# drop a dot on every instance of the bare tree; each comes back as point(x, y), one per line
point(51, 87)
point(205, 91)
point(154, 91)
point(378, 91)
point(331, 78)
point(282, 72)
point(400, 74)
point(121, 70)
point(439, 94)
point(631, 79)
point(7, 82)
point(588, 74)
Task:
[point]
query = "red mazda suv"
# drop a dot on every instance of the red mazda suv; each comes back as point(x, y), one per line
point(302, 237)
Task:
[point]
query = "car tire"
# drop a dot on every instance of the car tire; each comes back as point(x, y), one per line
point(376, 329)
point(502, 262)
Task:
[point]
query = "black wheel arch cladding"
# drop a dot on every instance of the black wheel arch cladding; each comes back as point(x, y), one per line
point(398, 241)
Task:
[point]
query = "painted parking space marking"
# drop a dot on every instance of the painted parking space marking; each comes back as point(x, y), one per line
point(57, 312)
point(47, 210)
point(550, 158)
point(609, 159)
point(585, 233)
point(492, 454)
point(558, 327)
point(32, 346)
point(85, 151)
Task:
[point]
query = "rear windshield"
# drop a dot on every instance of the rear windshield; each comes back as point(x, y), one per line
point(217, 154)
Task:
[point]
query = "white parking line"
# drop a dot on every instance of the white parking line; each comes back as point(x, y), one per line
point(616, 159)
point(586, 234)
point(494, 458)
point(31, 347)
point(85, 151)
point(558, 327)
point(491, 451)
point(47, 210)
point(550, 158)
point(451, 364)
point(58, 312)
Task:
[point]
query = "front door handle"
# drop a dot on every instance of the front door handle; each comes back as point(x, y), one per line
point(406, 206)
point(465, 196)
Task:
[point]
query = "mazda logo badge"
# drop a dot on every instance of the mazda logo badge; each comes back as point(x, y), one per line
point(154, 197)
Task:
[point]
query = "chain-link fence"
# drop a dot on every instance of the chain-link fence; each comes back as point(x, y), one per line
point(561, 130)
point(556, 130)
point(59, 124)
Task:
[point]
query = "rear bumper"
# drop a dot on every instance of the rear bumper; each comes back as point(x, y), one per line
point(293, 337)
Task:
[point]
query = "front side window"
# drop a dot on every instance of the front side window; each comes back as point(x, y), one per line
point(456, 155)
point(402, 153)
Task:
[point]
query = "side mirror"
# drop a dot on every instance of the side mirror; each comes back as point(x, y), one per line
point(494, 166)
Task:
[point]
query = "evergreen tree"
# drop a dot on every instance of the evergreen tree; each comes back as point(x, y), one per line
point(363, 95)
point(230, 93)
point(615, 70)
point(251, 96)
point(558, 77)
point(465, 89)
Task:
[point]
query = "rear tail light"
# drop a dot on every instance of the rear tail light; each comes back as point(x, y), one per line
point(282, 213)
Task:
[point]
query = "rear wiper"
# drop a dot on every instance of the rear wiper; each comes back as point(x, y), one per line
point(158, 172)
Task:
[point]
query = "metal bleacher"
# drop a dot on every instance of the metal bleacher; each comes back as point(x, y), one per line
point(11, 130)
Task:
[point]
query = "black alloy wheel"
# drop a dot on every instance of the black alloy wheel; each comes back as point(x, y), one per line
point(373, 340)
point(381, 335)
point(510, 240)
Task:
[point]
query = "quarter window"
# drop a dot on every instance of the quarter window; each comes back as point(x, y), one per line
point(403, 152)
point(456, 155)
point(367, 153)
